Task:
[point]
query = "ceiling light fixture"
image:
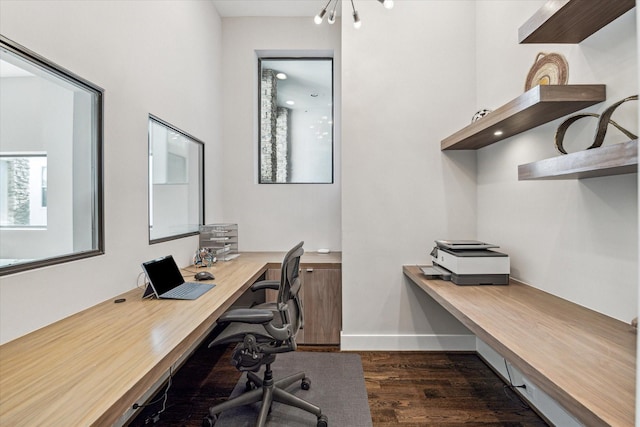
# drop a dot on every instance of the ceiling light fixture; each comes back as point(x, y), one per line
point(318, 18)
point(357, 23)
point(332, 15)
point(388, 4)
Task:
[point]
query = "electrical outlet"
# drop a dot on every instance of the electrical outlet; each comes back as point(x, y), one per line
point(530, 390)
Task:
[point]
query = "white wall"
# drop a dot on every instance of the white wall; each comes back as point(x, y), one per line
point(408, 77)
point(578, 238)
point(274, 216)
point(159, 57)
point(412, 76)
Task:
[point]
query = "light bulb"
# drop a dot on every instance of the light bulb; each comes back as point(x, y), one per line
point(318, 18)
point(388, 4)
point(356, 20)
point(332, 17)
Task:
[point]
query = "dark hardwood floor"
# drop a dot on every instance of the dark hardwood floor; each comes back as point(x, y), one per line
point(440, 389)
point(407, 389)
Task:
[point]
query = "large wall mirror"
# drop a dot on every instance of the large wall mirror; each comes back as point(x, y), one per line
point(50, 162)
point(296, 120)
point(176, 182)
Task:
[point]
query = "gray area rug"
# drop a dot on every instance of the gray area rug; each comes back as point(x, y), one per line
point(337, 387)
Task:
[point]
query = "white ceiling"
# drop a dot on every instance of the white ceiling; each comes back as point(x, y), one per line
point(230, 8)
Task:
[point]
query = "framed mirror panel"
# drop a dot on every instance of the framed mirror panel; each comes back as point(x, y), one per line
point(50, 162)
point(176, 182)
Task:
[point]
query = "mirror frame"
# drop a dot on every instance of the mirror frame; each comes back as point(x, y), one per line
point(200, 146)
point(97, 165)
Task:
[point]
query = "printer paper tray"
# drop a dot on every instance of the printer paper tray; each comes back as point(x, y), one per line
point(479, 279)
point(437, 272)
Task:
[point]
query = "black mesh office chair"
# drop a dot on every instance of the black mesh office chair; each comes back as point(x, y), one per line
point(261, 332)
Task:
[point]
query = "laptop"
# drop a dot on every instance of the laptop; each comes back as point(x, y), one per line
point(166, 281)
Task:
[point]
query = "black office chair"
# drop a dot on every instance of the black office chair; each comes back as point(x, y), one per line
point(261, 332)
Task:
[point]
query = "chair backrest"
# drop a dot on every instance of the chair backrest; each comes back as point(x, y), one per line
point(289, 299)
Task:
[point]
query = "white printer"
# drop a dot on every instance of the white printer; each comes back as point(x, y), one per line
point(470, 262)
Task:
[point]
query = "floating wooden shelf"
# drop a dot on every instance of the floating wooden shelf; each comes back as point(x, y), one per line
point(571, 21)
point(616, 159)
point(536, 106)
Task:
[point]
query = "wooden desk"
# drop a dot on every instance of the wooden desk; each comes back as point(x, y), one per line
point(582, 359)
point(90, 368)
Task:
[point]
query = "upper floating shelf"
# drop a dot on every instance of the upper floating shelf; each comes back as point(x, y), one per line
point(615, 159)
point(571, 21)
point(536, 106)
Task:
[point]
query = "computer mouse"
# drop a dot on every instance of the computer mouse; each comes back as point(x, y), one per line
point(204, 275)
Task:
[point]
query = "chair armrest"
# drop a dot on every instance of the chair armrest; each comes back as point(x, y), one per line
point(247, 315)
point(265, 284)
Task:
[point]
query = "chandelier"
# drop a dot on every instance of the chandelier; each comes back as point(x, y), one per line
point(332, 15)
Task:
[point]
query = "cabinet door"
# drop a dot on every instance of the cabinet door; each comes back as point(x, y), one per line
point(322, 305)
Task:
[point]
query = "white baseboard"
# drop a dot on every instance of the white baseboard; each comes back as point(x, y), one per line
point(413, 342)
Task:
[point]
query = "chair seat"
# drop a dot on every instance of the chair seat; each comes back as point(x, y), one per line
point(235, 332)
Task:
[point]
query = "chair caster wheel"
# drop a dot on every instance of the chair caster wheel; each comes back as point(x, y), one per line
point(209, 421)
point(306, 384)
point(323, 421)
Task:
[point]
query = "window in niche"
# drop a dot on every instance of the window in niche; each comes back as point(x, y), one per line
point(296, 120)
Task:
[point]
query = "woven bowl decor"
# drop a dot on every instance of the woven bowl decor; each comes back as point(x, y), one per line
point(548, 69)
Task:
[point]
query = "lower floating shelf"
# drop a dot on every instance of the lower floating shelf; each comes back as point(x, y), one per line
point(616, 159)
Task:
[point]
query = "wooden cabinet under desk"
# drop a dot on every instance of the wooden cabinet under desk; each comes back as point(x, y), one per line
point(322, 302)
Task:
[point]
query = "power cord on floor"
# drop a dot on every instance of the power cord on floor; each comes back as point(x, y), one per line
point(513, 387)
point(155, 417)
